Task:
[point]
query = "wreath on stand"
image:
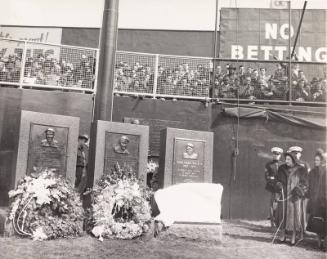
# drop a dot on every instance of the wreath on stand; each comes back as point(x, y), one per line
point(45, 206)
point(120, 207)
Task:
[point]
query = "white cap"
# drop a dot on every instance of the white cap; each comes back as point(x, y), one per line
point(295, 149)
point(277, 150)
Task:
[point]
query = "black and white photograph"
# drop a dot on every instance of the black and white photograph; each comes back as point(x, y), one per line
point(163, 129)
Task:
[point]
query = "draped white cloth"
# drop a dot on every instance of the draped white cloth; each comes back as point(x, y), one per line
point(189, 202)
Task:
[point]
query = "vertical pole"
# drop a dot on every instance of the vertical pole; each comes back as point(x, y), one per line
point(155, 78)
point(95, 81)
point(215, 52)
point(216, 31)
point(108, 45)
point(289, 54)
point(103, 103)
point(22, 69)
point(97, 56)
point(299, 28)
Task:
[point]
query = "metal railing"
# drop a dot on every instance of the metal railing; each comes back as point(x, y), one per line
point(180, 77)
point(27, 64)
point(162, 76)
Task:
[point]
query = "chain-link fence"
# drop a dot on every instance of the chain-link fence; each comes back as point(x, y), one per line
point(48, 66)
point(183, 76)
point(162, 75)
point(134, 72)
point(269, 81)
point(198, 78)
point(10, 61)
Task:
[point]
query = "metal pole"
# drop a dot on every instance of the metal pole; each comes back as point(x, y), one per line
point(95, 82)
point(299, 28)
point(216, 31)
point(108, 45)
point(155, 78)
point(289, 54)
point(22, 70)
point(215, 52)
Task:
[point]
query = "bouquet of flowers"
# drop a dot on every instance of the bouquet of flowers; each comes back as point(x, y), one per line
point(120, 207)
point(45, 206)
point(152, 169)
point(151, 166)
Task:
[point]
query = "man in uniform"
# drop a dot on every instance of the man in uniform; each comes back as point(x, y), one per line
point(297, 151)
point(271, 170)
point(81, 163)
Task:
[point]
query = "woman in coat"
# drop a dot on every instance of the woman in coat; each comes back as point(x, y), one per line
point(292, 184)
point(317, 197)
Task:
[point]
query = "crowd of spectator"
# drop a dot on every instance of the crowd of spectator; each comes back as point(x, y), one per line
point(176, 80)
point(232, 82)
point(181, 79)
point(48, 70)
point(249, 83)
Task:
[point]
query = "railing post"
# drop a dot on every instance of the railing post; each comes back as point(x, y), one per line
point(96, 71)
point(95, 81)
point(22, 69)
point(155, 78)
point(289, 54)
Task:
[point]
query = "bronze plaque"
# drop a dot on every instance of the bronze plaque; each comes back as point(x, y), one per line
point(188, 165)
point(122, 149)
point(155, 126)
point(47, 148)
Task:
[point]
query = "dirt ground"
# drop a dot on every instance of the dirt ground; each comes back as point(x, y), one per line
point(241, 239)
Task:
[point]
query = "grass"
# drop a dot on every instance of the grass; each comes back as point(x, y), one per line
point(241, 239)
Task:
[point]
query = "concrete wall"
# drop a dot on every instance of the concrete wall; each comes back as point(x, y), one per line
point(12, 101)
point(244, 194)
point(244, 189)
point(189, 43)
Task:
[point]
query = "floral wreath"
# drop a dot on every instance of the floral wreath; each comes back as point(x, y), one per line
point(45, 206)
point(120, 207)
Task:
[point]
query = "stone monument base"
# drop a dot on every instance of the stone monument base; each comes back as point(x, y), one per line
point(193, 232)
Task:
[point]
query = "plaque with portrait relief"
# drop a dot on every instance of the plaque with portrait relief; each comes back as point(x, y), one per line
point(188, 161)
point(122, 149)
point(47, 148)
point(47, 141)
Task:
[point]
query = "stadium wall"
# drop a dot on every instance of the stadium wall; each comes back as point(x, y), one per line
point(172, 42)
point(256, 137)
point(13, 101)
point(188, 43)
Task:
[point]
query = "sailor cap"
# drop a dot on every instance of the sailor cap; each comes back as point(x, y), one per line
point(295, 149)
point(277, 150)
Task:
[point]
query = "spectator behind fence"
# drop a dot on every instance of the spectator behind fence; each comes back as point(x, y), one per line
point(185, 80)
point(47, 70)
point(180, 79)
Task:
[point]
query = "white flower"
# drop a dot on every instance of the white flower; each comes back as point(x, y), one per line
point(39, 235)
point(98, 231)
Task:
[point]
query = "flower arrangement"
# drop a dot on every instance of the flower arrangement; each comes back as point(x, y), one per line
point(151, 166)
point(120, 207)
point(152, 170)
point(45, 206)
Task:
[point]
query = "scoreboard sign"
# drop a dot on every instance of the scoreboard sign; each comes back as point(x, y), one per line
point(264, 33)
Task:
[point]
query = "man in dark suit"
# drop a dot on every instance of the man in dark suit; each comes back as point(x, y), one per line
point(271, 170)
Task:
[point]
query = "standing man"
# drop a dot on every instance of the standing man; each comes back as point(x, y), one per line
point(297, 151)
point(271, 170)
point(81, 164)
